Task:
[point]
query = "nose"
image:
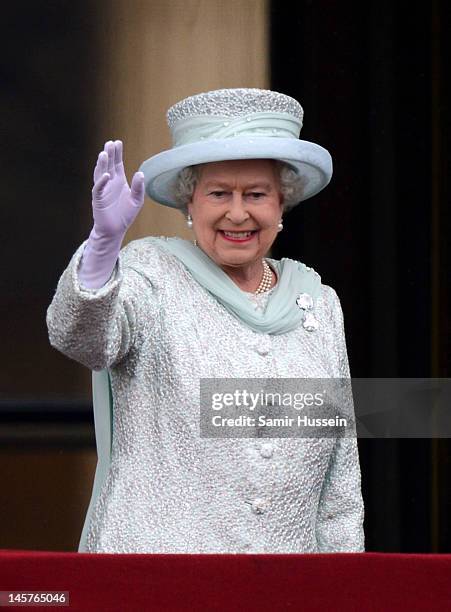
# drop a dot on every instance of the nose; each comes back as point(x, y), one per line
point(237, 212)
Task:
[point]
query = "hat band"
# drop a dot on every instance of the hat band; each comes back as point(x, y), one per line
point(194, 129)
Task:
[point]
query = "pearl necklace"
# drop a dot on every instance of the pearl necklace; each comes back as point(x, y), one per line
point(266, 281)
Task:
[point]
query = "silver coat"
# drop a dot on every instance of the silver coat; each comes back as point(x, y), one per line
point(169, 490)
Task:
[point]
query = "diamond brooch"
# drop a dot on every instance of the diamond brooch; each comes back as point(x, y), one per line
point(310, 323)
point(305, 303)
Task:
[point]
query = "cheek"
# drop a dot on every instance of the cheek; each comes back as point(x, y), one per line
point(270, 220)
point(205, 218)
point(208, 220)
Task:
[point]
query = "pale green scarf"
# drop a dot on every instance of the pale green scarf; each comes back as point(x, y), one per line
point(281, 315)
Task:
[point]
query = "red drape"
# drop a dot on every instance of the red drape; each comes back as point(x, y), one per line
point(326, 582)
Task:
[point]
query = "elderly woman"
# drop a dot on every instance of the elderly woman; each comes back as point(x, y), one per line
point(161, 315)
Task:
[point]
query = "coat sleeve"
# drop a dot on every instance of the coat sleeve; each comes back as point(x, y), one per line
point(98, 327)
point(339, 525)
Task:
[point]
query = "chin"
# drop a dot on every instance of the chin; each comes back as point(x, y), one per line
point(236, 259)
point(232, 256)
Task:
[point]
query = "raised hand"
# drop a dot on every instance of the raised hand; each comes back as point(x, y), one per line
point(115, 205)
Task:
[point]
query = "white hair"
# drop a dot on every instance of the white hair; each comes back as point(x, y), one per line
point(291, 185)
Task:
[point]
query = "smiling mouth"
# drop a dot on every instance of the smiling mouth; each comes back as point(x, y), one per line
point(238, 236)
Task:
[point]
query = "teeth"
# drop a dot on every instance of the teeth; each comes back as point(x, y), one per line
point(238, 234)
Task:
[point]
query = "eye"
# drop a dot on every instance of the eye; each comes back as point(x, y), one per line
point(217, 193)
point(256, 195)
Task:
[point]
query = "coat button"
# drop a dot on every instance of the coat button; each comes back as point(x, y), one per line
point(259, 505)
point(262, 350)
point(266, 450)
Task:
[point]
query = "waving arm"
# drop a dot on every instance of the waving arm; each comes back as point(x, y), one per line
point(102, 299)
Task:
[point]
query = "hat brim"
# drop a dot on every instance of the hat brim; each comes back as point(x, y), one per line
point(312, 162)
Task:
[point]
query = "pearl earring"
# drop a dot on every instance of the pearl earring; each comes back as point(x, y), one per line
point(189, 221)
point(280, 226)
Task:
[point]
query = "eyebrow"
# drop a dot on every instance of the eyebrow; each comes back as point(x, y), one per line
point(261, 184)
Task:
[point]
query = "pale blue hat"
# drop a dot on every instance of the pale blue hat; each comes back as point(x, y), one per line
point(231, 124)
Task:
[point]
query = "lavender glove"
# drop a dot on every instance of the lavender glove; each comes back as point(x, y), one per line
point(115, 206)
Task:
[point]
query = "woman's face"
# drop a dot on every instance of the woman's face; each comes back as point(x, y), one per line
point(236, 208)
